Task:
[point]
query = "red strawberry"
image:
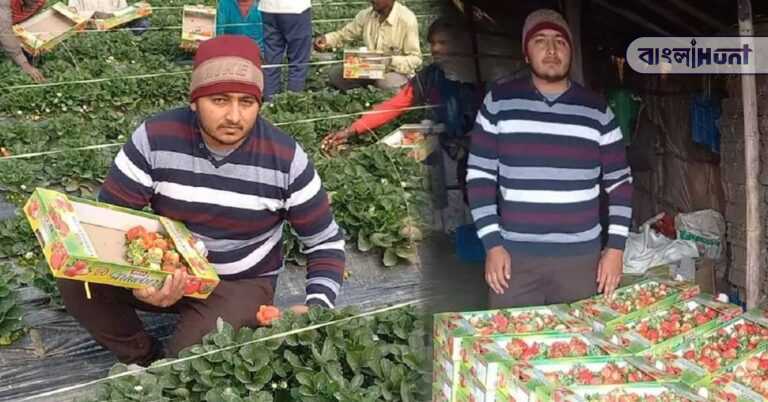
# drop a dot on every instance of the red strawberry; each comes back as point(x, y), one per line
point(192, 286)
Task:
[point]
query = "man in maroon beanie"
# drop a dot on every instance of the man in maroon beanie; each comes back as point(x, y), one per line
point(234, 180)
point(543, 149)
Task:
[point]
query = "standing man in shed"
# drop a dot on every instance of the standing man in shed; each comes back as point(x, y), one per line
point(543, 148)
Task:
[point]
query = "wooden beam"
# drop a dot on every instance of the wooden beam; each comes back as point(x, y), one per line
point(752, 165)
point(694, 11)
point(633, 17)
point(573, 16)
point(662, 11)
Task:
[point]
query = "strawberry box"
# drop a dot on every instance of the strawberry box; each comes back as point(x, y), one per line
point(592, 371)
point(362, 64)
point(509, 388)
point(198, 24)
point(695, 359)
point(418, 139)
point(488, 358)
point(451, 330)
point(123, 16)
point(750, 372)
point(631, 301)
point(640, 392)
point(86, 241)
point(446, 374)
point(667, 324)
point(47, 29)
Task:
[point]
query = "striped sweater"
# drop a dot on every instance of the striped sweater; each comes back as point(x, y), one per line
point(236, 206)
point(536, 169)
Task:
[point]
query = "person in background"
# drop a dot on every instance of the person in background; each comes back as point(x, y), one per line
point(14, 12)
point(542, 151)
point(240, 17)
point(456, 102)
point(234, 180)
point(287, 33)
point(386, 26)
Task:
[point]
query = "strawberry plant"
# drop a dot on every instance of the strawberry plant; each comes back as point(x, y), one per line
point(11, 326)
point(364, 359)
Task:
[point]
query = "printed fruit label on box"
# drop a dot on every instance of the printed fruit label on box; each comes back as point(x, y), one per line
point(101, 243)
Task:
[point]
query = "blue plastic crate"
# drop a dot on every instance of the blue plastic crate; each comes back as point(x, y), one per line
point(469, 248)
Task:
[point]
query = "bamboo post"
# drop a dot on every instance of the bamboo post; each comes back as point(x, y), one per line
point(752, 164)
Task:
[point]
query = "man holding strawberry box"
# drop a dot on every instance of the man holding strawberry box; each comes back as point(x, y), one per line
point(542, 151)
point(234, 180)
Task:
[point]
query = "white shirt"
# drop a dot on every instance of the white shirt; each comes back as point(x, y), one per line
point(284, 6)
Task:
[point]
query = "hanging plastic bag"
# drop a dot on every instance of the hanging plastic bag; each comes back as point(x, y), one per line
point(705, 228)
point(649, 248)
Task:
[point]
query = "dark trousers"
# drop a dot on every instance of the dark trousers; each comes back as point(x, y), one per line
point(110, 315)
point(286, 35)
point(543, 280)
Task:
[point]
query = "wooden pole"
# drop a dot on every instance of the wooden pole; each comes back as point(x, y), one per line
point(752, 164)
point(573, 15)
point(694, 11)
point(633, 17)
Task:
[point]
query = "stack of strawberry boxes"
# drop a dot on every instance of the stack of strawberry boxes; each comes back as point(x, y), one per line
point(655, 340)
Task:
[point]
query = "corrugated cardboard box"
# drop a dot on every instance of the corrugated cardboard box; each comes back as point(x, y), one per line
point(85, 240)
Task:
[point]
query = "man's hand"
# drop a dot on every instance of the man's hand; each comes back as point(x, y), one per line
point(299, 309)
point(609, 271)
point(333, 140)
point(172, 291)
point(34, 73)
point(320, 43)
point(498, 269)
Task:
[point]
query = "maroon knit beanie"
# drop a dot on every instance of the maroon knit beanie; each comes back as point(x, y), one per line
point(544, 19)
point(228, 63)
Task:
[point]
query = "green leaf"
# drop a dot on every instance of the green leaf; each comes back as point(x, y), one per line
point(390, 258)
point(305, 379)
point(363, 243)
point(292, 359)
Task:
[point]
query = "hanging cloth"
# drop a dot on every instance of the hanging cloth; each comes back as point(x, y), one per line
point(705, 120)
point(625, 106)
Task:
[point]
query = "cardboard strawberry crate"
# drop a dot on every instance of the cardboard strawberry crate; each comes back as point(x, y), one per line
point(512, 388)
point(444, 389)
point(693, 360)
point(488, 358)
point(601, 370)
point(86, 241)
point(123, 16)
point(44, 31)
point(451, 330)
point(417, 138)
point(198, 25)
point(363, 64)
point(749, 372)
point(631, 301)
point(645, 392)
point(669, 324)
point(446, 374)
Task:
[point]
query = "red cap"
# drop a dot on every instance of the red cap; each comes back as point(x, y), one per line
point(228, 63)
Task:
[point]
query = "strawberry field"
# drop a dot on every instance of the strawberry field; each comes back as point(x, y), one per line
point(64, 134)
